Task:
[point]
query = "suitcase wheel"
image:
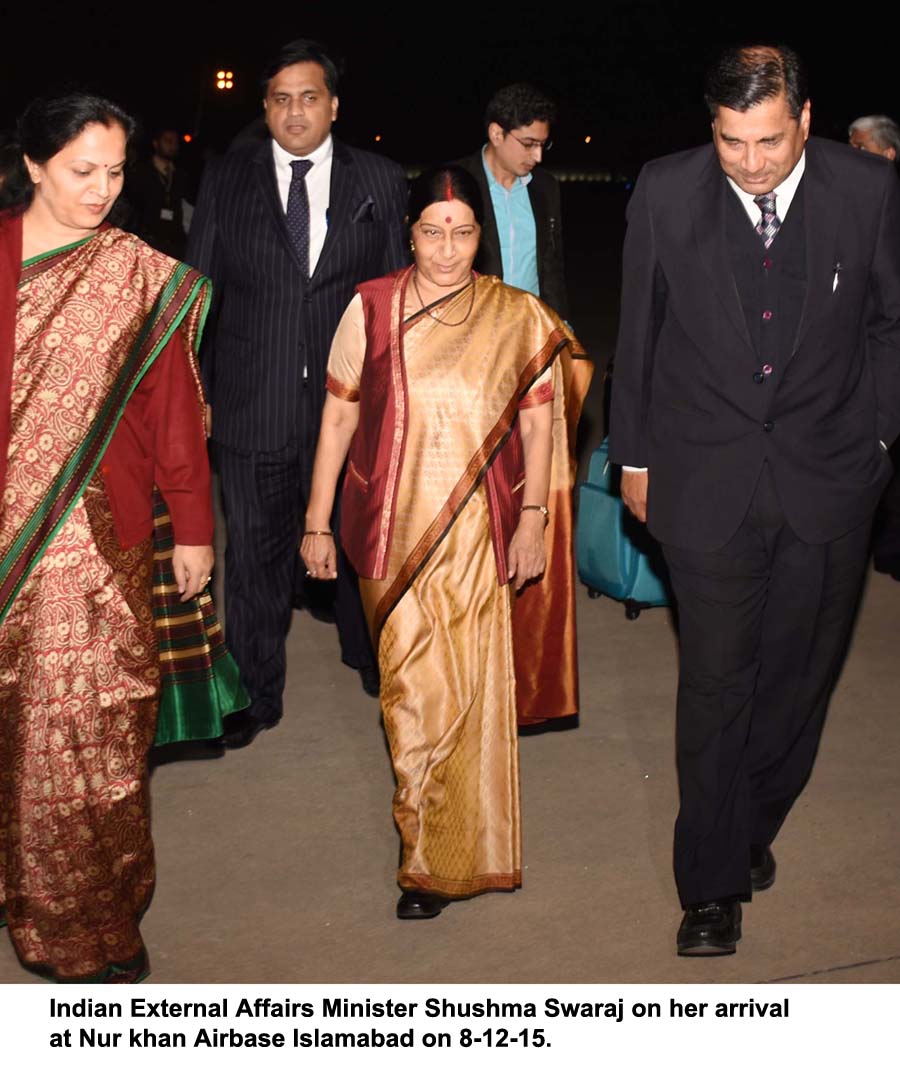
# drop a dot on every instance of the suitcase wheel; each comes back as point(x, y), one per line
point(592, 594)
point(632, 610)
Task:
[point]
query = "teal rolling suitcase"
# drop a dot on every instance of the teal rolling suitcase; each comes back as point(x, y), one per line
point(615, 553)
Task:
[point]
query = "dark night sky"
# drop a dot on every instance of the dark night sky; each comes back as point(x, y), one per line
point(629, 74)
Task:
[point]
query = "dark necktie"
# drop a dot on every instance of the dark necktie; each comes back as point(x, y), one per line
point(298, 212)
point(769, 224)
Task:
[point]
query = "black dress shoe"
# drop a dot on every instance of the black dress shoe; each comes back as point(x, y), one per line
point(762, 867)
point(371, 681)
point(889, 565)
point(242, 729)
point(413, 904)
point(710, 929)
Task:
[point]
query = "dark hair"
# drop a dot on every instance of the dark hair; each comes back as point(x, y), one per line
point(744, 77)
point(519, 105)
point(302, 51)
point(159, 129)
point(46, 126)
point(443, 184)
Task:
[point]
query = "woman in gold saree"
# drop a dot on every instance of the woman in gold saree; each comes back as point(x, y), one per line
point(441, 388)
point(99, 401)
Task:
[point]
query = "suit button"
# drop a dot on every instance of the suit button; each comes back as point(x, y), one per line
point(767, 315)
point(307, 298)
point(767, 263)
point(768, 426)
point(759, 377)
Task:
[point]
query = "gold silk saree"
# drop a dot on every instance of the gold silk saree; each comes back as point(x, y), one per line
point(441, 615)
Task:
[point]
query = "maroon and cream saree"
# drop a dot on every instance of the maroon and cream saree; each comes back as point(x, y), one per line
point(79, 660)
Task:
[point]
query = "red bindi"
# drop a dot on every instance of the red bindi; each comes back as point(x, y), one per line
point(449, 220)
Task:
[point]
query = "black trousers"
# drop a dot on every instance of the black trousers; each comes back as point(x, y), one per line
point(886, 539)
point(264, 495)
point(764, 624)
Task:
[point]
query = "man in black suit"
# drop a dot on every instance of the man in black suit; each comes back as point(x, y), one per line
point(758, 386)
point(521, 238)
point(286, 229)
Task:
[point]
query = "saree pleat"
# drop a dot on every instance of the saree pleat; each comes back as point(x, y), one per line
point(200, 683)
point(78, 686)
point(445, 655)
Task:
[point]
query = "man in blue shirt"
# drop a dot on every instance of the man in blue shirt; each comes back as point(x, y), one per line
point(521, 239)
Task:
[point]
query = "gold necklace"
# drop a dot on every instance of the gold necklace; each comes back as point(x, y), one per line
point(449, 324)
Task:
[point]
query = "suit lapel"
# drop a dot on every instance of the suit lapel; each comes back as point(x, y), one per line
point(540, 212)
point(340, 206)
point(823, 210)
point(490, 240)
point(708, 207)
point(268, 186)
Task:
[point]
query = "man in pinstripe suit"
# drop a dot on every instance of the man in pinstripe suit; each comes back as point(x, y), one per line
point(285, 228)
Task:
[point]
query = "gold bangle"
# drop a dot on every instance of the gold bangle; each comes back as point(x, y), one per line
point(325, 534)
point(542, 508)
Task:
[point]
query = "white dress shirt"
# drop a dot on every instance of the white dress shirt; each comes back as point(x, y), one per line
point(318, 188)
point(784, 195)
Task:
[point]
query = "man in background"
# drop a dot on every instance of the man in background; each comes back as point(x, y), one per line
point(876, 134)
point(285, 228)
point(155, 191)
point(521, 240)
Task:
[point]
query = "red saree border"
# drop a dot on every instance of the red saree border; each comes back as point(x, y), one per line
point(182, 289)
point(459, 890)
point(339, 389)
point(398, 446)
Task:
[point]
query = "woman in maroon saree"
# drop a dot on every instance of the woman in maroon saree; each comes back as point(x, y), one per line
point(99, 401)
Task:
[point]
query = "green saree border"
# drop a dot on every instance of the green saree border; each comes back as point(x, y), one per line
point(78, 470)
point(41, 261)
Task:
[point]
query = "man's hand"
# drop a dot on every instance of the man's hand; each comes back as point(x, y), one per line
point(192, 565)
point(634, 493)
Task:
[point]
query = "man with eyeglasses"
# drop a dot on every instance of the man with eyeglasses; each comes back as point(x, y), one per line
point(521, 240)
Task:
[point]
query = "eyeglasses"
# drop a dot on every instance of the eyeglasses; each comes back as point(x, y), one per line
point(533, 143)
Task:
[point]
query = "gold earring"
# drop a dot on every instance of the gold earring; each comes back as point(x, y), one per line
point(412, 246)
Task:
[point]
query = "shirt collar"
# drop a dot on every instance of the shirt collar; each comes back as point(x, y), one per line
point(319, 155)
point(492, 179)
point(784, 192)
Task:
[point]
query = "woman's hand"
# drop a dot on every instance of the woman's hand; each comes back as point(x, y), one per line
point(319, 555)
point(527, 556)
point(193, 565)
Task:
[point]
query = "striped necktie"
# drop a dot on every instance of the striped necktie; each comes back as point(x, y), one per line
point(769, 223)
point(298, 212)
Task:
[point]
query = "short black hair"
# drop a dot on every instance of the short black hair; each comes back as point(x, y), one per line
point(46, 126)
point(748, 75)
point(519, 105)
point(302, 51)
point(443, 184)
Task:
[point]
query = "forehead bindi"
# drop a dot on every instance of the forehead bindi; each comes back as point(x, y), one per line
point(454, 213)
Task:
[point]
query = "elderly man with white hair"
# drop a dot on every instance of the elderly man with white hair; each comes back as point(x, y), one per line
point(876, 134)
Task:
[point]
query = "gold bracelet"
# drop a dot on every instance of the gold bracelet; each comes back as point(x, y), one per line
point(542, 508)
point(325, 534)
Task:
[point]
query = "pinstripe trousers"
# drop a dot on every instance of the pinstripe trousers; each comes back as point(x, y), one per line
point(264, 495)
